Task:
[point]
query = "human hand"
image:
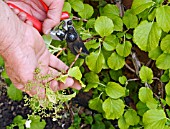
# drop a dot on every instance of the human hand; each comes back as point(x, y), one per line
point(24, 50)
point(35, 8)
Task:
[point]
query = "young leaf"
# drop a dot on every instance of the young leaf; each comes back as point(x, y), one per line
point(115, 61)
point(165, 44)
point(124, 49)
point(131, 117)
point(154, 119)
point(77, 5)
point(96, 104)
point(90, 23)
point(141, 108)
point(122, 123)
point(113, 108)
point(103, 26)
point(130, 20)
point(36, 123)
point(1, 61)
point(114, 90)
point(115, 74)
point(110, 42)
point(145, 94)
point(76, 73)
point(167, 99)
point(92, 79)
point(163, 61)
point(122, 80)
point(155, 53)
point(118, 23)
point(147, 35)
point(139, 6)
point(167, 88)
point(67, 7)
point(95, 61)
point(87, 12)
point(92, 44)
point(14, 93)
point(163, 17)
point(146, 74)
point(110, 10)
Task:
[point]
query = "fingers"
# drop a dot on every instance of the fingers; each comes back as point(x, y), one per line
point(22, 16)
point(53, 14)
point(57, 63)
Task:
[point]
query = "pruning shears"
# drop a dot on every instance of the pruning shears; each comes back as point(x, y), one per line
point(64, 31)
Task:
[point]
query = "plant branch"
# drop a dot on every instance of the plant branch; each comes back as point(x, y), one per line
point(79, 19)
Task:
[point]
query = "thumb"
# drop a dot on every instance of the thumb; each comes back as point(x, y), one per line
point(53, 14)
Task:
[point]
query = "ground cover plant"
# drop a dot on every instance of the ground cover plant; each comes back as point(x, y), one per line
point(127, 72)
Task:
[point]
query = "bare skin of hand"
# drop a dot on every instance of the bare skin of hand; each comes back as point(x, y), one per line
point(35, 8)
point(24, 51)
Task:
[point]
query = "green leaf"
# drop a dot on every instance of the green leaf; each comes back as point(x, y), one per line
point(124, 49)
point(77, 5)
point(36, 123)
point(154, 119)
point(122, 80)
point(115, 74)
point(114, 90)
point(165, 44)
point(19, 120)
point(152, 104)
point(14, 93)
point(146, 74)
point(62, 78)
point(130, 20)
point(167, 88)
point(165, 77)
point(63, 97)
point(76, 73)
point(131, 117)
point(110, 10)
point(110, 42)
point(87, 12)
point(92, 79)
point(4, 74)
point(92, 44)
point(167, 99)
point(145, 94)
point(113, 108)
point(141, 108)
point(95, 61)
point(67, 7)
point(103, 26)
point(155, 53)
point(115, 61)
point(147, 35)
point(90, 23)
point(1, 61)
point(152, 15)
point(118, 23)
point(122, 123)
point(163, 17)
point(163, 61)
point(96, 104)
point(139, 6)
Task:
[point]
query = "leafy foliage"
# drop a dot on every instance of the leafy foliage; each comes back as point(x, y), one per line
point(128, 68)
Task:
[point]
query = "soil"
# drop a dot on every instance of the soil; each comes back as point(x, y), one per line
point(9, 109)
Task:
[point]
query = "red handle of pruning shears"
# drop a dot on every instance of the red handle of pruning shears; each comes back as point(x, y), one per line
point(36, 23)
